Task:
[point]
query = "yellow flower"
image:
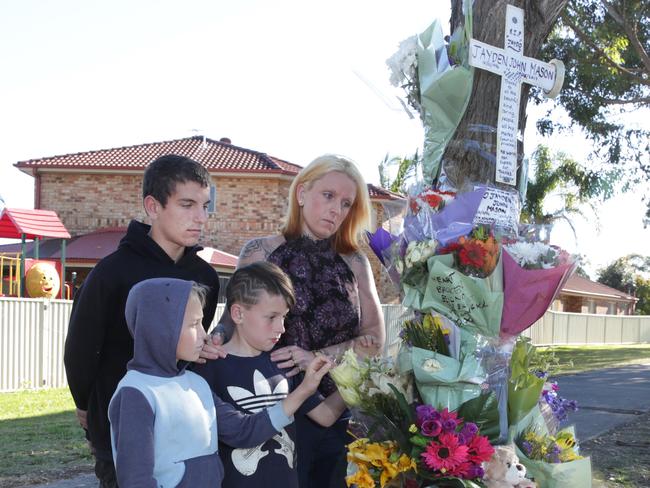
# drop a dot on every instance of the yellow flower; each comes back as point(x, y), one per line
point(413, 429)
point(406, 463)
point(388, 472)
point(361, 479)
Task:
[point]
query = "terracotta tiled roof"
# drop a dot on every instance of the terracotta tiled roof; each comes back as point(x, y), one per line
point(576, 284)
point(378, 193)
point(216, 156)
point(15, 222)
point(218, 258)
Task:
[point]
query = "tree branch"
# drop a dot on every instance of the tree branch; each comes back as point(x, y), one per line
point(587, 40)
point(631, 33)
point(623, 101)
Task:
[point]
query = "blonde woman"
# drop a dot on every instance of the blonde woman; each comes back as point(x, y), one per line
point(337, 306)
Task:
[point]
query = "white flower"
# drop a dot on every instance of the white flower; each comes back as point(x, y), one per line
point(402, 64)
point(431, 365)
point(533, 254)
point(348, 374)
point(350, 396)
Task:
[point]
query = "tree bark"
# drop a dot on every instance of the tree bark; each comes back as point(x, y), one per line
point(470, 155)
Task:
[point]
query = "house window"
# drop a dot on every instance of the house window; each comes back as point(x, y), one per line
point(213, 199)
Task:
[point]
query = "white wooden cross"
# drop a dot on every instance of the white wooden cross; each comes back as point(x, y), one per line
point(514, 68)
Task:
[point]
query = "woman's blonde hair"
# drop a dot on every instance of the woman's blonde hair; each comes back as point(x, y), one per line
point(347, 237)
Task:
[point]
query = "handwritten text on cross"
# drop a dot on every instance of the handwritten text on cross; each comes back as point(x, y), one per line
point(514, 69)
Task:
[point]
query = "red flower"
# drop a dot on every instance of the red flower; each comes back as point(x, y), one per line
point(446, 454)
point(433, 200)
point(472, 254)
point(449, 248)
point(479, 449)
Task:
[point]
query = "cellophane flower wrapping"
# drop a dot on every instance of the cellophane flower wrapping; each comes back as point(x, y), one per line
point(553, 460)
point(533, 275)
point(447, 375)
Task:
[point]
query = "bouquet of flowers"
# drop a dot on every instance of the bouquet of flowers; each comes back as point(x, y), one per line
point(447, 446)
point(475, 255)
point(370, 384)
point(553, 460)
point(377, 462)
point(437, 80)
point(430, 198)
point(533, 274)
point(443, 360)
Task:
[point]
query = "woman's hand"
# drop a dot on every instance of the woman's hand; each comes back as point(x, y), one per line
point(366, 345)
point(294, 357)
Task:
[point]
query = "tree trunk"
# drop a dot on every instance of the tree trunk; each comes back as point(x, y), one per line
point(470, 155)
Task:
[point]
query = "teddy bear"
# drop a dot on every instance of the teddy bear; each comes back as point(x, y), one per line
point(503, 470)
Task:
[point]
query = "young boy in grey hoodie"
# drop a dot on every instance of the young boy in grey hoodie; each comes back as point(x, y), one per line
point(165, 420)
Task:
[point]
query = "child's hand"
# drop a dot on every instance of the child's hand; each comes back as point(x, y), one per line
point(366, 345)
point(213, 349)
point(315, 371)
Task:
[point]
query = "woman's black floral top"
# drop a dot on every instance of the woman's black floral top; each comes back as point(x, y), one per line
point(327, 297)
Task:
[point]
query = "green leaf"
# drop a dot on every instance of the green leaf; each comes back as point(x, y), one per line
point(484, 412)
point(406, 408)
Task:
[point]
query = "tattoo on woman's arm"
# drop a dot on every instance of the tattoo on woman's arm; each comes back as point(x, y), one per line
point(253, 247)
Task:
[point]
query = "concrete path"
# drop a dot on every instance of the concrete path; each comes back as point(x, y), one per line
point(606, 398)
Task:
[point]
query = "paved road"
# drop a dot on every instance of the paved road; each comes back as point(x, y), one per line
point(606, 398)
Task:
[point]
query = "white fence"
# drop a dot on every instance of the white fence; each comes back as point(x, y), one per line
point(32, 335)
point(556, 328)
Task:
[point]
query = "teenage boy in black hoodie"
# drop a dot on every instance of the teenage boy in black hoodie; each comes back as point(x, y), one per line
point(176, 193)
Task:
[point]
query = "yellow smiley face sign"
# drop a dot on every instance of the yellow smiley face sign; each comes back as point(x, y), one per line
point(42, 281)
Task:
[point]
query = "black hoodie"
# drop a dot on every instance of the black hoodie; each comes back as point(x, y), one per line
point(98, 344)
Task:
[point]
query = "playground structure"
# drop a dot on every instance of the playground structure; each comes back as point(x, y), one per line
point(10, 280)
point(16, 269)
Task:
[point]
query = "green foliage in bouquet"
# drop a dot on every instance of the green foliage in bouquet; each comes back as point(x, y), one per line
point(429, 334)
point(484, 412)
point(524, 386)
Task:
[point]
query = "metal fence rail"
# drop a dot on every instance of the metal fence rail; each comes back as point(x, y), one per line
point(32, 335)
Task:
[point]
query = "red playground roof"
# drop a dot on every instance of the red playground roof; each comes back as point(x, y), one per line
point(33, 223)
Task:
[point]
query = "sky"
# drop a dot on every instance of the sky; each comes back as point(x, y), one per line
point(293, 79)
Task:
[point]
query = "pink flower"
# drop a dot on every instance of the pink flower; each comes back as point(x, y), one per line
point(479, 449)
point(446, 454)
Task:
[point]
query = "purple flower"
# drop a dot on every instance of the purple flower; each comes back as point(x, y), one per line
point(426, 412)
point(527, 447)
point(449, 425)
point(559, 406)
point(553, 455)
point(475, 471)
point(470, 428)
point(431, 428)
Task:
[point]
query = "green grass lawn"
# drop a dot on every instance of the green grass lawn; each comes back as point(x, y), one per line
point(41, 439)
point(574, 359)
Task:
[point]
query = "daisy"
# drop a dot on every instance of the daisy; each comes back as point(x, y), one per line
point(446, 454)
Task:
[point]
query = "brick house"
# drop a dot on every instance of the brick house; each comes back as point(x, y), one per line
point(95, 190)
point(581, 295)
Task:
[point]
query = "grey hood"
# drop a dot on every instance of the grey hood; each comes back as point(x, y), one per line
point(154, 314)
